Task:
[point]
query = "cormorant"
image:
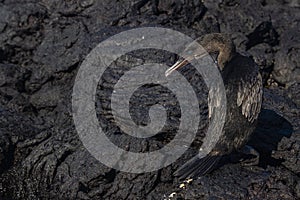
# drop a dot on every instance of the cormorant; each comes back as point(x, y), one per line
point(243, 84)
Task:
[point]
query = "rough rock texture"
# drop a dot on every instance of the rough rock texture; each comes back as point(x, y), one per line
point(42, 44)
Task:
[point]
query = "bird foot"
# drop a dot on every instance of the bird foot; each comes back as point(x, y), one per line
point(249, 156)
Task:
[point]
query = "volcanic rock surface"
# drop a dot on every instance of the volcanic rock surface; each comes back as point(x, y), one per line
point(43, 43)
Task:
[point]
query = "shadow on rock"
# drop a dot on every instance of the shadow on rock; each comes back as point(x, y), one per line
point(269, 132)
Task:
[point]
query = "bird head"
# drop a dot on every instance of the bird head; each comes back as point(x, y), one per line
point(210, 43)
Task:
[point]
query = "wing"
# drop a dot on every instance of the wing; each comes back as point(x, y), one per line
point(197, 166)
point(250, 97)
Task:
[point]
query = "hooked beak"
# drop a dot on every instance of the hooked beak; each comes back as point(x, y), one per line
point(183, 62)
point(177, 65)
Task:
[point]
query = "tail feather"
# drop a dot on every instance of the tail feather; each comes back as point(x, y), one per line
point(197, 166)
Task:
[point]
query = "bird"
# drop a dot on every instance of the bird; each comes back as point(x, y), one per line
point(244, 90)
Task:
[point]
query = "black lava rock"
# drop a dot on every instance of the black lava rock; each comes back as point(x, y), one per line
point(43, 43)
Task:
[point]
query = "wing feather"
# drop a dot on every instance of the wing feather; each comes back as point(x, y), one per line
point(250, 96)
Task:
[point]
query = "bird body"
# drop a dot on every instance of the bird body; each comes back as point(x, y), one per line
point(243, 84)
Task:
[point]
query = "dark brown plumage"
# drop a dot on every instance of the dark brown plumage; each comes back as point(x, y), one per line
point(243, 84)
